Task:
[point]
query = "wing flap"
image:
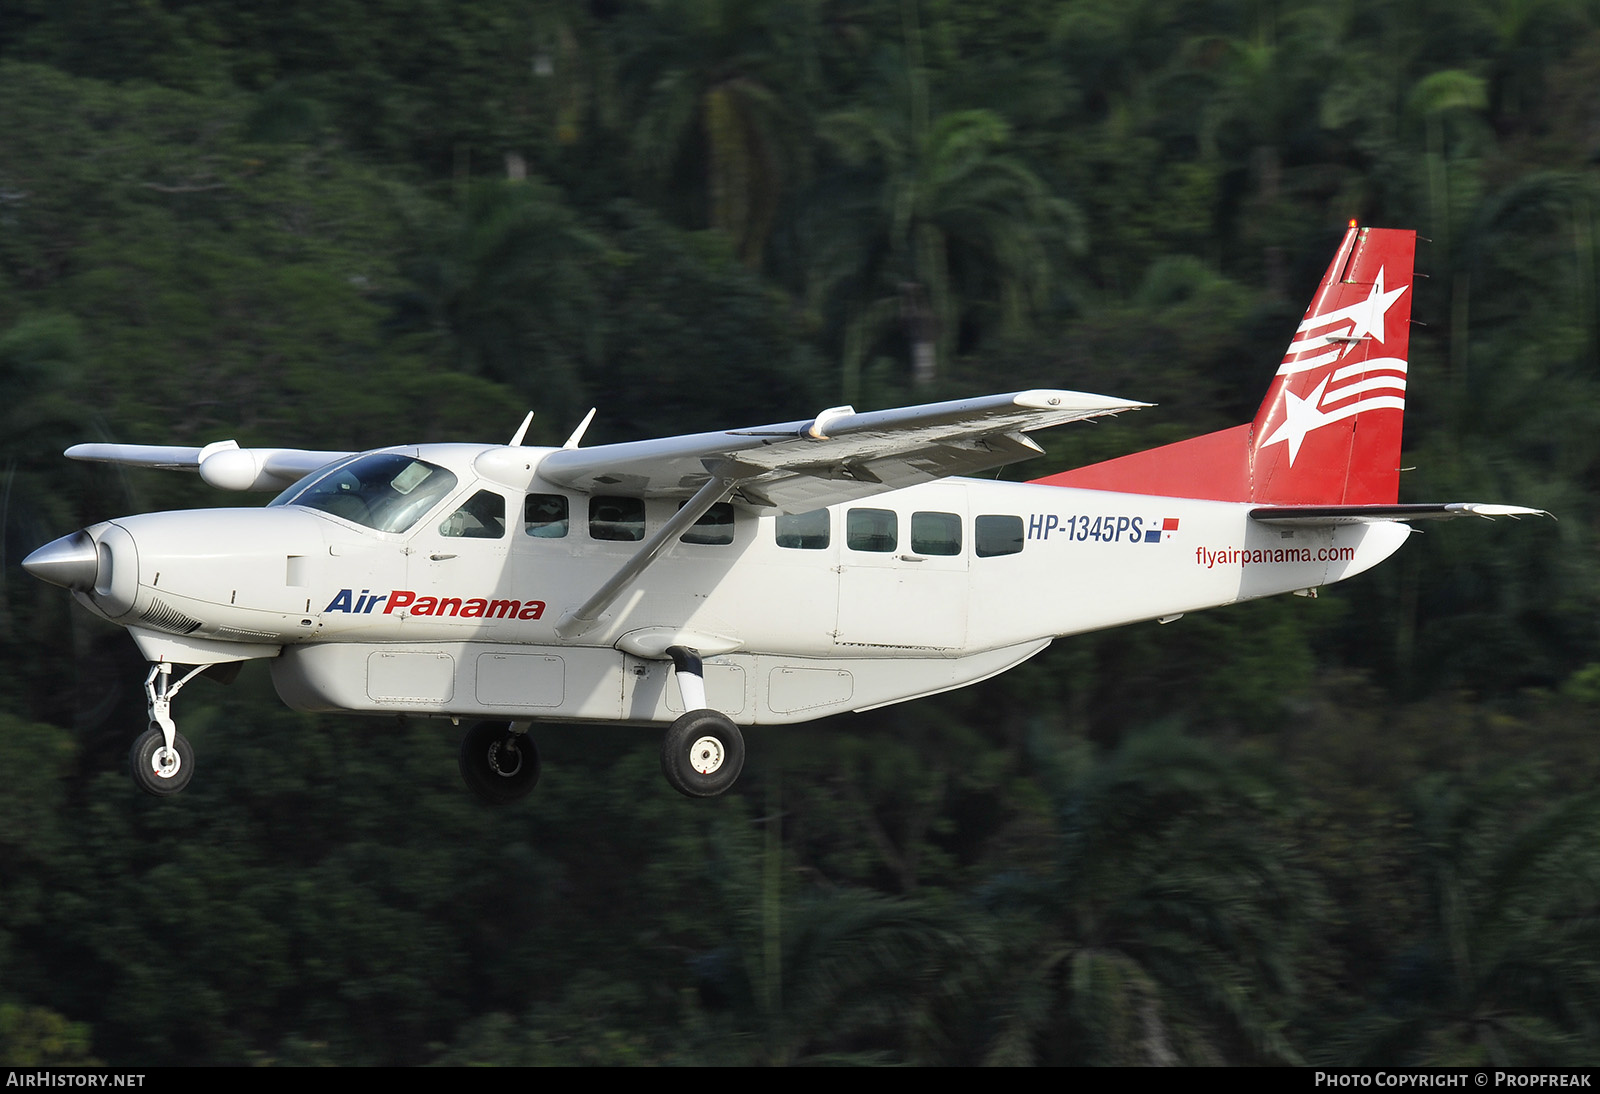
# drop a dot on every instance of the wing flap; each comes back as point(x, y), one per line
point(838, 455)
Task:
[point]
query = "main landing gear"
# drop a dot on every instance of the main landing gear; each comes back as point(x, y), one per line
point(161, 761)
point(703, 753)
point(499, 761)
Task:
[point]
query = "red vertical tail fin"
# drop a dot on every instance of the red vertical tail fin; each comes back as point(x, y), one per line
point(1328, 432)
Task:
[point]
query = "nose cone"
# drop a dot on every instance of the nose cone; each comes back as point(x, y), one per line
point(71, 562)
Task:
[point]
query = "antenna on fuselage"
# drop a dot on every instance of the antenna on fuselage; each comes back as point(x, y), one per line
point(577, 434)
point(522, 431)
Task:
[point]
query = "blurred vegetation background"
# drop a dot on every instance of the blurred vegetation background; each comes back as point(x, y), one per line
point(1360, 829)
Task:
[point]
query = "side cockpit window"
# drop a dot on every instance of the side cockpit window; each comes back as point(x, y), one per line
point(482, 517)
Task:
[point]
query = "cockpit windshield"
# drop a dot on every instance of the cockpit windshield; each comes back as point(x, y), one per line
point(385, 491)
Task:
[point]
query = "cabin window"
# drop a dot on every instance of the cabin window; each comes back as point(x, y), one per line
point(997, 535)
point(384, 491)
point(714, 528)
point(482, 517)
point(616, 518)
point(545, 516)
point(805, 531)
point(935, 534)
point(872, 530)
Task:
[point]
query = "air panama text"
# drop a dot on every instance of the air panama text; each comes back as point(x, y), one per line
point(408, 602)
point(1259, 556)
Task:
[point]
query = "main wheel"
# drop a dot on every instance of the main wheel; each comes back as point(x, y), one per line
point(157, 769)
point(702, 754)
point(498, 765)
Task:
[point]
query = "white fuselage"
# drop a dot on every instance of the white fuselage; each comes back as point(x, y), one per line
point(902, 594)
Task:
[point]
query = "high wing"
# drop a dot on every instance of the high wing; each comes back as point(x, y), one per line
point(223, 464)
point(837, 456)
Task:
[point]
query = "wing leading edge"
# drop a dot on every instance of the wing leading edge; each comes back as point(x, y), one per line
point(838, 456)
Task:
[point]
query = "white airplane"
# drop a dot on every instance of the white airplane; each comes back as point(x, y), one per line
point(753, 577)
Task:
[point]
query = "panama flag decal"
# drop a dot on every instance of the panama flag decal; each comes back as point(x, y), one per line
point(1321, 387)
point(1164, 530)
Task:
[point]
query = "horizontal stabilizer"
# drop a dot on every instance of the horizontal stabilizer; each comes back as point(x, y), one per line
point(1325, 516)
point(223, 464)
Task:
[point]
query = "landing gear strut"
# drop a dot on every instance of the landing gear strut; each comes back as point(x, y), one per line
point(161, 761)
point(703, 752)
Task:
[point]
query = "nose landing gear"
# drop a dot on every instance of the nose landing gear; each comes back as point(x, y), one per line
point(161, 760)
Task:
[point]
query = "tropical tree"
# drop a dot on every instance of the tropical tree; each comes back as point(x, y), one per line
point(718, 93)
point(1167, 931)
point(1505, 973)
point(511, 285)
point(928, 226)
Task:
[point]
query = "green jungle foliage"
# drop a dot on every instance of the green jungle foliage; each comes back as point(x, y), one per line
point(1354, 829)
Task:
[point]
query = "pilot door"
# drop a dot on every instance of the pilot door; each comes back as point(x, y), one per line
point(457, 567)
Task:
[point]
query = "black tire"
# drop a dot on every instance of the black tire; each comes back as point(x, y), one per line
point(702, 754)
point(497, 765)
point(150, 774)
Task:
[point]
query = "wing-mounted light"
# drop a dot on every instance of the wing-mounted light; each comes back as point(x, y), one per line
point(818, 429)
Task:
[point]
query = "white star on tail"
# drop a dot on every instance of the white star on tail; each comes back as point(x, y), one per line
point(1366, 319)
point(1300, 416)
point(1369, 317)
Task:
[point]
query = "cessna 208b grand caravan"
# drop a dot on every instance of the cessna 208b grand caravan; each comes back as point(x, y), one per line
point(753, 577)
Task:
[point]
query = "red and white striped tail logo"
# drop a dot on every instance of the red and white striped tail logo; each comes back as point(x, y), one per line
point(1342, 388)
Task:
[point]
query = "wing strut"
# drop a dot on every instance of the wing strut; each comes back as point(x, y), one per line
point(581, 619)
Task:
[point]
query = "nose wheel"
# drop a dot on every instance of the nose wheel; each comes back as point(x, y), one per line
point(158, 768)
point(161, 761)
